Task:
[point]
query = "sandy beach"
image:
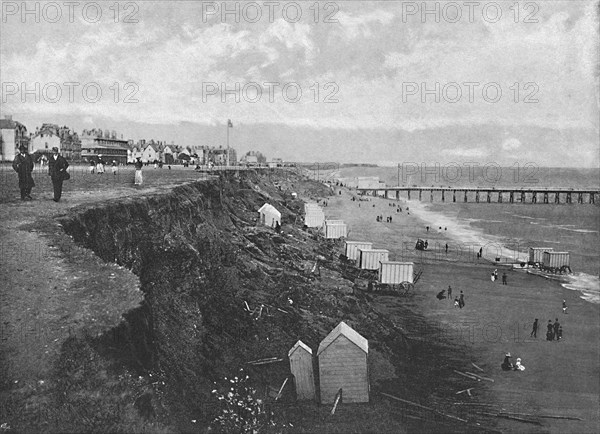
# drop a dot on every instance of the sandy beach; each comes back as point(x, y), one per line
point(561, 377)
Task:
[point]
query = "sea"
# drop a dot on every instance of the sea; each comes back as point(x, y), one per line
point(507, 230)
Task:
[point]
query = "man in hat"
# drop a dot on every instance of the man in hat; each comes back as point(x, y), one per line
point(57, 168)
point(23, 165)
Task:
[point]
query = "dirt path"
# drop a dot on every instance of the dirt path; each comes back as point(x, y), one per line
point(50, 288)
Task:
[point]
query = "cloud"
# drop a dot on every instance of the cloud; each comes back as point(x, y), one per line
point(355, 26)
point(466, 152)
point(511, 144)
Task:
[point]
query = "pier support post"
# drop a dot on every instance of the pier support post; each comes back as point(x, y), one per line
point(580, 198)
point(545, 197)
point(477, 196)
point(443, 200)
point(557, 197)
point(511, 197)
point(534, 197)
point(489, 196)
point(522, 197)
point(420, 193)
point(431, 195)
point(569, 198)
point(397, 194)
point(499, 197)
point(408, 194)
point(454, 196)
point(465, 196)
point(592, 197)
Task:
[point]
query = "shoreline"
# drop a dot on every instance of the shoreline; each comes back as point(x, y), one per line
point(497, 319)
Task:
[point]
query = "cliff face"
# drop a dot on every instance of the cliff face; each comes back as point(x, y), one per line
point(206, 268)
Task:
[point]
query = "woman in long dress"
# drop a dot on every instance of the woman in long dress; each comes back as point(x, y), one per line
point(138, 171)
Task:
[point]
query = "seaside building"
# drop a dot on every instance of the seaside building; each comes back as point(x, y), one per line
point(301, 367)
point(50, 136)
point(269, 215)
point(13, 134)
point(95, 143)
point(343, 365)
point(253, 157)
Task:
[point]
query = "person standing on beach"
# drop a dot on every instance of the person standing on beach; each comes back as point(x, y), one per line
point(446, 248)
point(564, 308)
point(138, 171)
point(534, 329)
point(550, 331)
point(449, 292)
point(23, 165)
point(504, 278)
point(556, 327)
point(57, 169)
point(462, 299)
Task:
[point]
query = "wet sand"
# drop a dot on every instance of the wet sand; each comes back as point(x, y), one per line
point(561, 377)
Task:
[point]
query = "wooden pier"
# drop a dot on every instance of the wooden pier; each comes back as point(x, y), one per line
point(489, 195)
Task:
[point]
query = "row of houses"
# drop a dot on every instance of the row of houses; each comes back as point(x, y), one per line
point(95, 144)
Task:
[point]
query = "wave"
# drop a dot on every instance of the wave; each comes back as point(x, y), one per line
point(588, 285)
point(467, 235)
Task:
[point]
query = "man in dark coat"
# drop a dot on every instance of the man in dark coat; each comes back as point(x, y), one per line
point(57, 168)
point(23, 165)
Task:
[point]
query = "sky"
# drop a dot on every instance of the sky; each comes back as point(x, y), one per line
point(349, 81)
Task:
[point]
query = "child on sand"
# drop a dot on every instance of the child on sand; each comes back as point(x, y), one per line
point(456, 302)
point(518, 366)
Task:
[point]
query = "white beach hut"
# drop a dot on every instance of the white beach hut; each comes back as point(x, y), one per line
point(269, 215)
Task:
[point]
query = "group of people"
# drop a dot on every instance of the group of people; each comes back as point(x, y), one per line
point(57, 170)
point(398, 207)
point(494, 276)
point(508, 366)
point(554, 331)
point(379, 218)
point(459, 301)
point(99, 166)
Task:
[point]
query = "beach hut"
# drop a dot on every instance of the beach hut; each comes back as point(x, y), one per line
point(556, 259)
point(314, 217)
point(393, 273)
point(269, 215)
point(301, 366)
point(342, 359)
point(369, 259)
point(334, 231)
point(352, 247)
point(536, 253)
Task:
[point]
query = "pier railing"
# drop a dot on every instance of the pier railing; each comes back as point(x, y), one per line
point(488, 194)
